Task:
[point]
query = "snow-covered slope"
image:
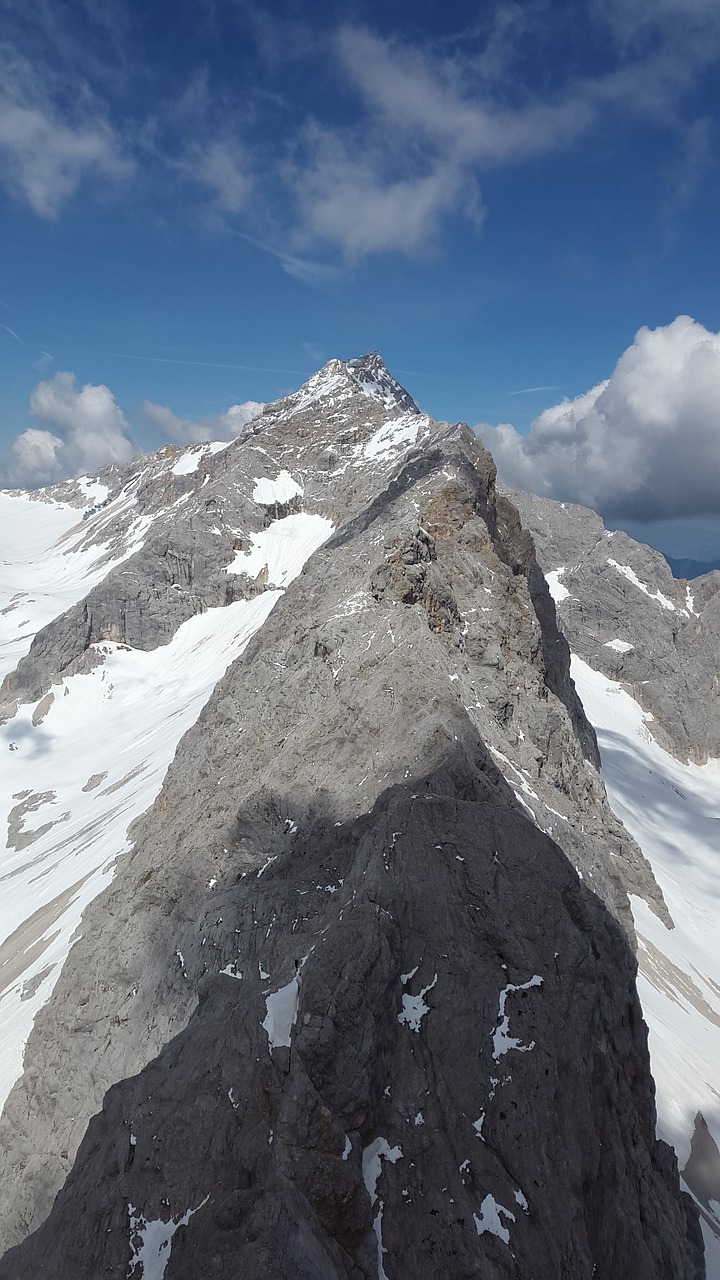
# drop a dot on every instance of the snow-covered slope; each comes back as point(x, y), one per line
point(90, 756)
point(673, 810)
point(45, 566)
point(74, 781)
point(646, 666)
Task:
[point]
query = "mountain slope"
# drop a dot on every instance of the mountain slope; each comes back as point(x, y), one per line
point(654, 685)
point(371, 944)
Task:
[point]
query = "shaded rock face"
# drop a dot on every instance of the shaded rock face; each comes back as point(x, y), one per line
point(702, 1171)
point(451, 1044)
point(360, 1001)
point(625, 614)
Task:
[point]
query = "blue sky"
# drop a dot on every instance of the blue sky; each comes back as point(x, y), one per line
point(202, 202)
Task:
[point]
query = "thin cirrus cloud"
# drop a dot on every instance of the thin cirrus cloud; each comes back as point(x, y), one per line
point(87, 428)
point(420, 128)
point(643, 445)
point(430, 125)
point(46, 155)
point(224, 171)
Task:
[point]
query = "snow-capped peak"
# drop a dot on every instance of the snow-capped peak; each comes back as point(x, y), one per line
point(339, 380)
point(374, 380)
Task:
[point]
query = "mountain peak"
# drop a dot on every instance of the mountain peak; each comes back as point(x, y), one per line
point(339, 380)
point(375, 380)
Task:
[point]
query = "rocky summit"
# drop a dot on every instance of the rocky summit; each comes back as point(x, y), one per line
point(318, 955)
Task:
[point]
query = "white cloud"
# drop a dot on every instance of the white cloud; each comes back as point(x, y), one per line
point(89, 430)
point(34, 459)
point(222, 426)
point(644, 445)
point(46, 155)
point(221, 167)
point(430, 125)
point(347, 199)
point(390, 182)
point(440, 100)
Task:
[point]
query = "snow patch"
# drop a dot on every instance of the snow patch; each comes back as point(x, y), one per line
point(489, 1219)
point(282, 1009)
point(631, 576)
point(621, 646)
point(95, 492)
point(270, 493)
point(189, 459)
point(414, 1007)
point(379, 1149)
point(521, 1200)
point(555, 586)
point(372, 1155)
point(151, 1241)
point(399, 433)
point(503, 1042)
point(283, 548)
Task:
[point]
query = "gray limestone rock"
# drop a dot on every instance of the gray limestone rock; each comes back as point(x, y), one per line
point(404, 1053)
point(623, 611)
point(360, 1001)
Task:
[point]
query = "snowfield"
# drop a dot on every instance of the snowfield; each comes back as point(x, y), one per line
point(673, 811)
point(72, 784)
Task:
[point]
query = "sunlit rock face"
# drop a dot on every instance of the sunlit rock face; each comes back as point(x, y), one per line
point(358, 998)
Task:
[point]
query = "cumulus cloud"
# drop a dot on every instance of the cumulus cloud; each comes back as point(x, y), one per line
point(46, 154)
point(88, 429)
point(644, 445)
point(34, 459)
point(221, 426)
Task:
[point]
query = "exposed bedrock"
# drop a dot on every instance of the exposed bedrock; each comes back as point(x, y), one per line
point(426, 1041)
point(625, 614)
point(388, 820)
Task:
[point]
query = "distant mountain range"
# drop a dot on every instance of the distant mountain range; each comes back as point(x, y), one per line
point(329, 868)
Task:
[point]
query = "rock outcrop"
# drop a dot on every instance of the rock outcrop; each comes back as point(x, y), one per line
point(360, 1002)
point(624, 613)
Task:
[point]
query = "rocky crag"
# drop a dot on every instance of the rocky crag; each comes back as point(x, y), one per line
point(624, 613)
point(646, 659)
point(360, 1000)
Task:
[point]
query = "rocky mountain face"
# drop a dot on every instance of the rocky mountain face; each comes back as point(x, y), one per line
point(359, 999)
point(646, 664)
point(627, 616)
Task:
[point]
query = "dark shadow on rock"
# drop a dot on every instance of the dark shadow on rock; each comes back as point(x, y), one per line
point(466, 1089)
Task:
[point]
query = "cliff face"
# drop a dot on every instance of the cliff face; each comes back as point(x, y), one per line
point(646, 664)
point(624, 612)
point(360, 999)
